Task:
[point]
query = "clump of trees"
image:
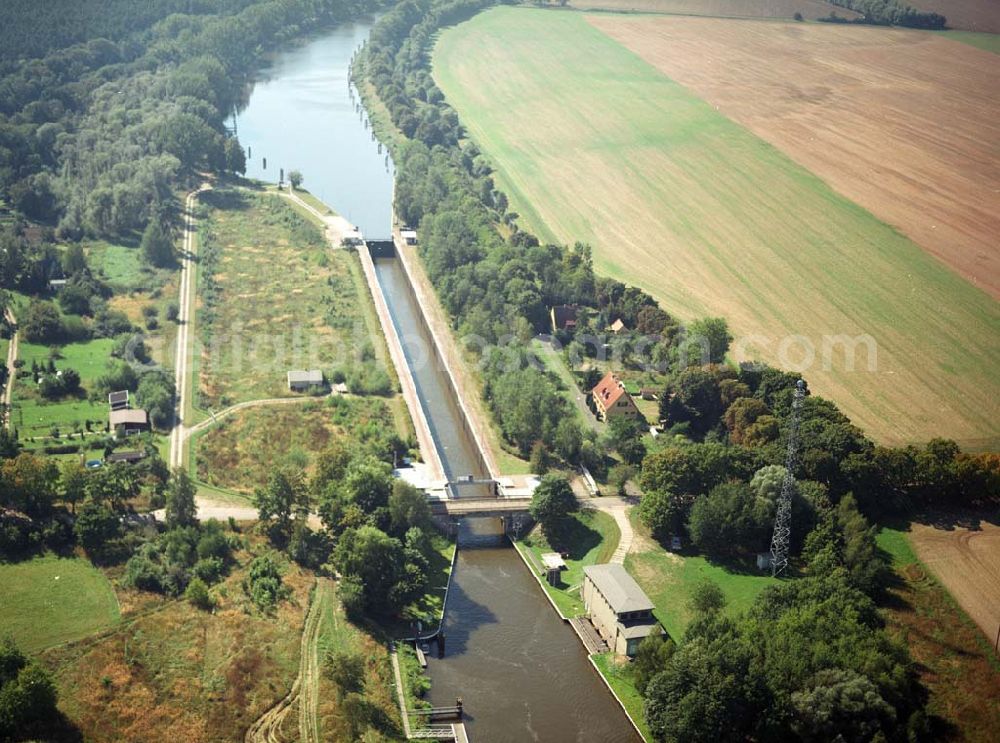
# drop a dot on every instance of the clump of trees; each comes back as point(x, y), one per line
point(552, 506)
point(27, 695)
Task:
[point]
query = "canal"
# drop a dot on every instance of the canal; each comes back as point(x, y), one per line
point(520, 670)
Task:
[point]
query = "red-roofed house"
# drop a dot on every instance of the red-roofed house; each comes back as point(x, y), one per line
point(611, 399)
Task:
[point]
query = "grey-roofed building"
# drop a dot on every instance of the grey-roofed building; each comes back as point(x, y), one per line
point(618, 608)
point(128, 421)
point(118, 400)
point(129, 457)
point(304, 381)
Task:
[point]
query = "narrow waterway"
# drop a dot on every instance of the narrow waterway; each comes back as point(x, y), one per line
point(520, 671)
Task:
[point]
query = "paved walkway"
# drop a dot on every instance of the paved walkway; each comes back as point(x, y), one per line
point(616, 507)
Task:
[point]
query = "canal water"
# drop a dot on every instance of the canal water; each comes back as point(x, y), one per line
point(521, 672)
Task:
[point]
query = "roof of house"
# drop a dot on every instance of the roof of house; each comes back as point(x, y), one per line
point(564, 315)
point(553, 561)
point(312, 376)
point(608, 390)
point(125, 456)
point(618, 588)
point(118, 398)
point(637, 628)
point(618, 325)
point(121, 417)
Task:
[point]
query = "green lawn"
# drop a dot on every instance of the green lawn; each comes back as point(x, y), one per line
point(895, 543)
point(35, 416)
point(669, 578)
point(618, 676)
point(591, 541)
point(50, 600)
point(593, 144)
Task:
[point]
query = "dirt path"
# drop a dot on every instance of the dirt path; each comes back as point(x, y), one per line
point(11, 369)
point(305, 688)
point(967, 563)
point(185, 322)
point(216, 417)
point(617, 508)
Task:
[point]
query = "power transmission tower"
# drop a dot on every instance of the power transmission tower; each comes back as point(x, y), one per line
point(783, 518)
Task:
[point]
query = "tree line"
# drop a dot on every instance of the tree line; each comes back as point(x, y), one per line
point(888, 13)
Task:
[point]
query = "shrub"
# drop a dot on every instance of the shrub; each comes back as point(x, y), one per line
point(197, 594)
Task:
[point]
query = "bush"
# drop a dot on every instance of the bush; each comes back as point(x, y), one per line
point(209, 569)
point(197, 594)
point(263, 584)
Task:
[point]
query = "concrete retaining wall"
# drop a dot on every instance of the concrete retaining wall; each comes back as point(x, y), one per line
point(428, 449)
point(406, 258)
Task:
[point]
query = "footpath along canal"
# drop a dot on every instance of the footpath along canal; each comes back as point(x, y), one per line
point(521, 671)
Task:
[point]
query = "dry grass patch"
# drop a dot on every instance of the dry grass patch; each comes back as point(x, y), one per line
point(179, 673)
point(262, 301)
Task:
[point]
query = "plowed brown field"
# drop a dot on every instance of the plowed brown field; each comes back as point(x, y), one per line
point(904, 123)
point(810, 9)
point(967, 562)
point(970, 15)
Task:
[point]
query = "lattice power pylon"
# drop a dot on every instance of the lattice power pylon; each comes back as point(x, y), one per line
point(783, 517)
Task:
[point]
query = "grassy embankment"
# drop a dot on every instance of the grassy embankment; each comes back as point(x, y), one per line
point(594, 144)
point(952, 658)
point(591, 540)
point(51, 600)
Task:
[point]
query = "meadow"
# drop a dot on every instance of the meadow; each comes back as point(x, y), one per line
point(669, 579)
point(174, 672)
point(51, 600)
point(35, 416)
point(272, 297)
point(592, 143)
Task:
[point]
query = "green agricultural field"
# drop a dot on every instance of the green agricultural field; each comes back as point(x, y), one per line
point(241, 451)
point(50, 600)
point(275, 298)
point(594, 144)
point(669, 580)
point(989, 42)
point(593, 539)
